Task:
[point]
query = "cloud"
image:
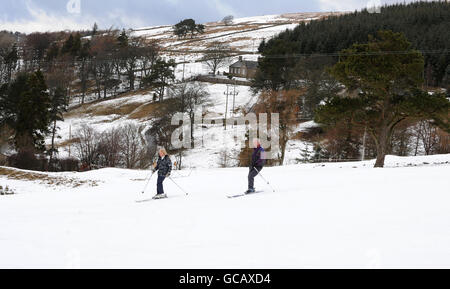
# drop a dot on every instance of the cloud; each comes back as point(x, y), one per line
point(55, 15)
point(347, 5)
point(172, 2)
point(222, 8)
point(38, 19)
point(119, 19)
point(352, 5)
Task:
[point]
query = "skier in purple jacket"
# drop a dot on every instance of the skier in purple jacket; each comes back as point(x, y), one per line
point(257, 164)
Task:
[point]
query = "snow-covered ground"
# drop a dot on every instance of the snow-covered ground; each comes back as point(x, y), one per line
point(321, 215)
point(266, 26)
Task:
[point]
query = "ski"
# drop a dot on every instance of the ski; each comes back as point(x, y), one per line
point(144, 201)
point(244, 194)
point(149, 200)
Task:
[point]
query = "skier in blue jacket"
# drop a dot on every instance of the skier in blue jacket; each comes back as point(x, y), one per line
point(164, 168)
point(256, 165)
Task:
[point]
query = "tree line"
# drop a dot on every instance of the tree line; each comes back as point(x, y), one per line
point(41, 72)
point(367, 85)
point(104, 63)
point(425, 25)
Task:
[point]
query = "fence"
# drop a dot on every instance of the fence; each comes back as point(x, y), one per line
point(210, 79)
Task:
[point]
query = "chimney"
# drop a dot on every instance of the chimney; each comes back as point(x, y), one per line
point(240, 58)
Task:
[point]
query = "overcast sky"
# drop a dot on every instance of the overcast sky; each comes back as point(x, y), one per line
point(50, 15)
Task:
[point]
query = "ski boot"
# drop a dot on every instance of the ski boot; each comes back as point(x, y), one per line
point(160, 196)
point(250, 191)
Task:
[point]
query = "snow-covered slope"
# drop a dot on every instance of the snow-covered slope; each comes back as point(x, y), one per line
point(321, 215)
point(243, 36)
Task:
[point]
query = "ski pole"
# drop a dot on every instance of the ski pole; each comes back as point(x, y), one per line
point(259, 173)
point(179, 186)
point(148, 182)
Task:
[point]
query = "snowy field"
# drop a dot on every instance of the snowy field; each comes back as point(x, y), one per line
point(321, 216)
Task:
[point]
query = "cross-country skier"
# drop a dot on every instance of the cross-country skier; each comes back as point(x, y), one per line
point(164, 168)
point(256, 165)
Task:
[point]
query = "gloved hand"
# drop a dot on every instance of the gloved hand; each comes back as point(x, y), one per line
point(168, 175)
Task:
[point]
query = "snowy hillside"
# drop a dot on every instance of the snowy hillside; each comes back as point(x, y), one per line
point(321, 215)
point(243, 36)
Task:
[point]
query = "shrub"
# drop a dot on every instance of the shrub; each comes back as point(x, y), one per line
point(27, 160)
point(6, 191)
point(67, 165)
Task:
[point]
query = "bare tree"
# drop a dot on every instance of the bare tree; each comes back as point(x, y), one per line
point(189, 96)
point(130, 55)
point(87, 145)
point(103, 52)
point(5, 137)
point(9, 57)
point(110, 148)
point(134, 151)
point(225, 158)
point(428, 136)
point(228, 20)
point(122, 146)
point(83, 69)
point(35, 48)
point(217, 55)
point(149, 56)
point(285, 104)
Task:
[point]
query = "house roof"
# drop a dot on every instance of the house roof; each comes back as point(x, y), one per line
point(245, 63)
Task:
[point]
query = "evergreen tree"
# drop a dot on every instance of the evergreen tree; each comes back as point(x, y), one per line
point(72, 45)
point(83, 71)
point(68, 45)
point(305, 154)
point(188, 26)
point(25, 108)
point(383, 78)
point(94, 29)
point(77, 45)
point(161, 76)
point(123, 39)
point(425, 24)
point(57, 108)
point(52, 52)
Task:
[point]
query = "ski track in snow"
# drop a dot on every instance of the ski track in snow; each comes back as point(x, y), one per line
point(322, 216)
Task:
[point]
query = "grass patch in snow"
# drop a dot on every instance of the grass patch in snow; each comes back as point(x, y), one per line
point(43, 178)
point(104, 110)
point(121, 110)
point(144, 111)
point(67, 142)
point(239, 28)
